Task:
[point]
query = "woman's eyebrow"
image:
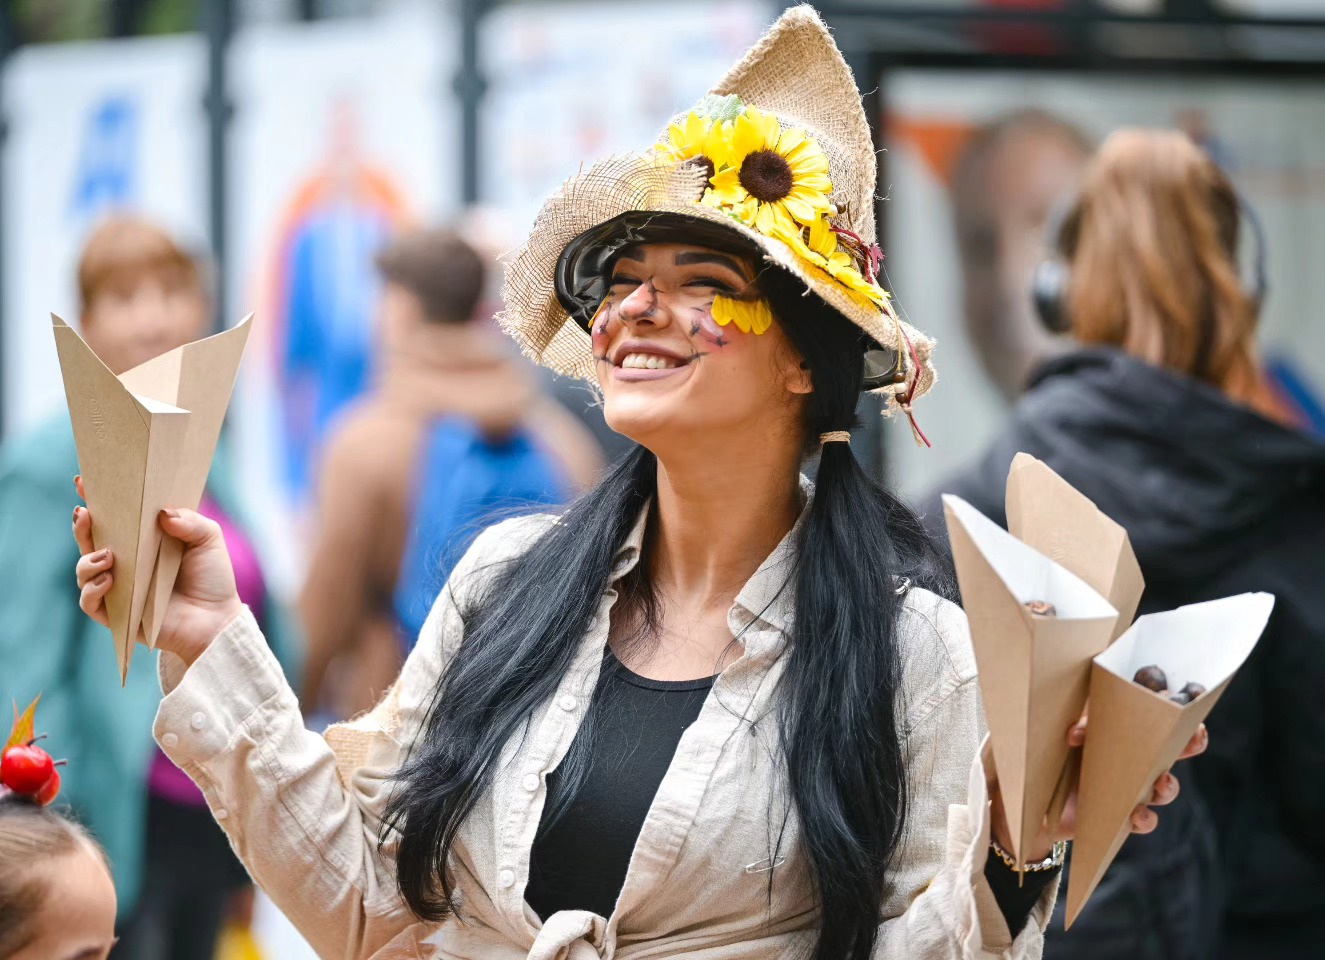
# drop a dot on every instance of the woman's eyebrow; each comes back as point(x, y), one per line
point(690, 259)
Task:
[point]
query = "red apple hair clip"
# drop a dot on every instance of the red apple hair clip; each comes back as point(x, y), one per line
point(25, 768)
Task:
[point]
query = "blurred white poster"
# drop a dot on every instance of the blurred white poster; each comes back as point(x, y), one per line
point(1269, 136)
point(570, 83)
point(343, 131)
point(93, 127)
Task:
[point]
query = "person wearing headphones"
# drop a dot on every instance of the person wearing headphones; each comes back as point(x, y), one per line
point(1161, 418)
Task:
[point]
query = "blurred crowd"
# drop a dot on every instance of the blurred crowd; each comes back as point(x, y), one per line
point(1104, 293)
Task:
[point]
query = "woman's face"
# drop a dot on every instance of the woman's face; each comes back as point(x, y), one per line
point(77, 920)
point(668, 369)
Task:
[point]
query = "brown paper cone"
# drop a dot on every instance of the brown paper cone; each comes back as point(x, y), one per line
point(1048, 513)
point(1034, 671)
point(145, 442)
point(1135, 734)
point(199, 377)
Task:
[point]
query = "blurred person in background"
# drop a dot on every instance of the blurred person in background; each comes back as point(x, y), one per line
point(141, 295)
point(1007, 182)
point(1160, 418)
point(456, 431)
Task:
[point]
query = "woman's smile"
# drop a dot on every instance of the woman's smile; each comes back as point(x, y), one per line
point(636, 360)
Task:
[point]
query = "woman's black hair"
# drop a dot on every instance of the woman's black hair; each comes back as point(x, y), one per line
point(839, 697)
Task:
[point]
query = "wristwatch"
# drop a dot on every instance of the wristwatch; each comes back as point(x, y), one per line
point(1051, 862)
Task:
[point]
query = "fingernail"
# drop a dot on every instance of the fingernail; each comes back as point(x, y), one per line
point(170, 514)
point(99, 556)
point(77, 510)
point(101, 579)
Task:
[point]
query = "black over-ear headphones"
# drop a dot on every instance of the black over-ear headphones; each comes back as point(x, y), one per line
point(1051, 278)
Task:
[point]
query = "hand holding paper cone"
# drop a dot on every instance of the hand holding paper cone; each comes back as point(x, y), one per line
point(145, 442)
point(1036, 678)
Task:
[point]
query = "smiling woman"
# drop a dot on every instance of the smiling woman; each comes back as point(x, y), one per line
point(712, 710)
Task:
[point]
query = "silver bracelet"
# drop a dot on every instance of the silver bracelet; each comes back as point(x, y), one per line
point(1051, 862)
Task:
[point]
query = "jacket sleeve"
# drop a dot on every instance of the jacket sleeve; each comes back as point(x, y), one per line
point(304, 812)
point(940, 906)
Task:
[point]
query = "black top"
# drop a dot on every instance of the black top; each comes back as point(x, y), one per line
point(580, 855)
point(1217, 501)
point(579, 860)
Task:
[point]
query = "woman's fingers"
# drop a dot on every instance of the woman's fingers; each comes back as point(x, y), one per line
point(92, 565)
point(1144, 820)
point(1197, 744)
point(78, 485)
point(190, 526)
point(83, 530)
point(1166, 790)
point(92, 599)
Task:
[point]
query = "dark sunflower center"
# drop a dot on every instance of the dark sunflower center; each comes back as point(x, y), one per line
point(705, 164)
point(766, 176)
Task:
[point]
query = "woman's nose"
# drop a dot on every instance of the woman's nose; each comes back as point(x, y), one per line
point(642, 305)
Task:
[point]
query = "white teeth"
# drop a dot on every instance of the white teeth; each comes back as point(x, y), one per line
point(648, 361)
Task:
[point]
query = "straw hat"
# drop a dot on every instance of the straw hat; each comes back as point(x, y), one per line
point(777, 160)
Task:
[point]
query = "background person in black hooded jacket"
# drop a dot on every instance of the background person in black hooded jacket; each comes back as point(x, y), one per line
point(1160, 418)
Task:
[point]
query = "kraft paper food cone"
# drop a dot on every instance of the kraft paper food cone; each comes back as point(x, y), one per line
point(1051, 515)
point(1134, 734)
point(145, 442)
point(1034, 670)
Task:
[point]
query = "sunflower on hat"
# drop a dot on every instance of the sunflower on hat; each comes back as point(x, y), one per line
point(768, 165)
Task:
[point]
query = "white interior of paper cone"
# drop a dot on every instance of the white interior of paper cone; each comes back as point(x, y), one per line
point(1027, 573)
point(1202, 643)
point(156, 406)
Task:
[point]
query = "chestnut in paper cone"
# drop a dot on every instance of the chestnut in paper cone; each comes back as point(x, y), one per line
point(1135, 734)
point(1049, 514)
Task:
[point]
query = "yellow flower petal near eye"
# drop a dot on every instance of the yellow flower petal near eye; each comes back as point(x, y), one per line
point(727, 311)
point(761, 316)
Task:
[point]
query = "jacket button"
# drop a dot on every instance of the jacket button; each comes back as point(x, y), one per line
point(198, 721)
point(170, 740)
point(567, 703)
point(531, 782)
point(221, 813)
point(506, 879)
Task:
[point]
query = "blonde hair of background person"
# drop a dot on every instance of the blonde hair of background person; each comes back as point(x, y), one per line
point(57, 901)
point(1152, 240)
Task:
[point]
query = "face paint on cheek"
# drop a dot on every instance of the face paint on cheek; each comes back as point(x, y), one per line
point(703, 325)
point(607, 312)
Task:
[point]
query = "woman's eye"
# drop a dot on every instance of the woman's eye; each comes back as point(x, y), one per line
point(713, 282)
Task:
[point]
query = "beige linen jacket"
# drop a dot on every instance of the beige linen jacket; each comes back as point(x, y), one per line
point(303, 811)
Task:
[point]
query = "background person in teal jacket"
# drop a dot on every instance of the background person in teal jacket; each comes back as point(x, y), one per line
point(141, 295)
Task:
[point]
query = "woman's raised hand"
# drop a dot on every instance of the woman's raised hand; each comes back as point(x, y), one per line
point(204, 600)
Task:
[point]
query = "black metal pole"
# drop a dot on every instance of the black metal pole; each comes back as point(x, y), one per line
point(469, 87)
point(218, 25)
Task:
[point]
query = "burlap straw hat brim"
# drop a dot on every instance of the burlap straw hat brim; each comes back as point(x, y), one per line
point(794, 72)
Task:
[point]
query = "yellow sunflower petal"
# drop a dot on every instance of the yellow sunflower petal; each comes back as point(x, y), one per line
point(800, 208)
point(726, 310)
point(717, 145)
point(761, 316)
point(745, 139)
point(790, 139)
point(772, 130)
point(817, 199)
point(695, 128)
point(822, 239)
